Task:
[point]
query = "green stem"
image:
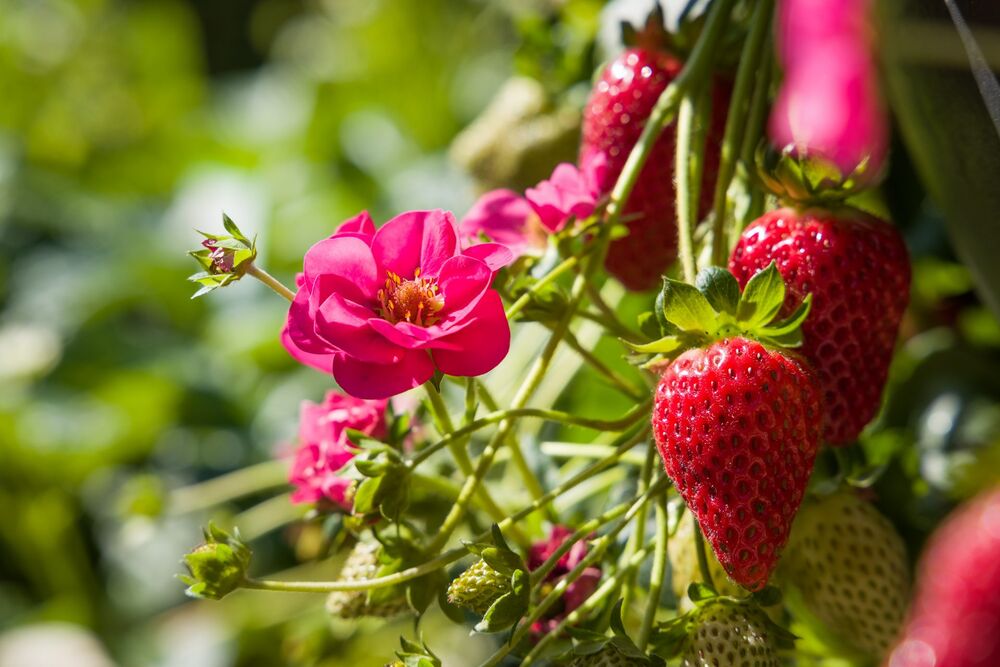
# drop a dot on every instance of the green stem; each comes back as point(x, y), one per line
point(623, 443)
point(542, 283)
point(528, 476)
point(610, 374)
point(736, 123)
point(656, 576)
point(269, 280)
point(596, 552)
point(665, 109)
point(692, 123)
point(699, 546)
point(457, 448)
point(633, 415)
point(638, 536)
point(591, 604)
point(755, 129)
point(268, 515)
point(609, 317)
point(230, 486)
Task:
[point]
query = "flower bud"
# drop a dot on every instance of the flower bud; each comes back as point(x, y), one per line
point(217, 567)
point(223, 259)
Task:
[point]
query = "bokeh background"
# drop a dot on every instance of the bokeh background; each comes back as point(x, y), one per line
point(125, 125)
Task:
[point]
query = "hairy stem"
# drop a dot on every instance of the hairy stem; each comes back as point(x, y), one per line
point(656, 576)
point(269, 280)
point(542, 283)
point(699, 545)
point(732, 140)
point(230, 486)
point(689, 164)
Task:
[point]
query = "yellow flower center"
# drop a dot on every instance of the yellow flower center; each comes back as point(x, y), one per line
point(415, 301)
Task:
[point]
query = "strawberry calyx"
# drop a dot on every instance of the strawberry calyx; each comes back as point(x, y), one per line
point(802, 179)
point(589, 642)
point(714, 309)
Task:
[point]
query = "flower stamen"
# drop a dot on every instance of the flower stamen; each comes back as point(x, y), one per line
point(415, 301)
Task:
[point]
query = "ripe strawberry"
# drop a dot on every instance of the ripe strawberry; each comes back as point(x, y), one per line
point(613, 119)
point(736, 419)
point(850, 566)
point(362, 564)
point(955, 617)
point(856, 267)
point(684, 569)
point(478, 587)
point(723, 632)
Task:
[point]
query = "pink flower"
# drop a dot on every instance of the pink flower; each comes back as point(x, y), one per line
point(577, 592)
point(569, 192)
point(829, 104)
point(382, 310)
point(324, 449)
point(507, 218)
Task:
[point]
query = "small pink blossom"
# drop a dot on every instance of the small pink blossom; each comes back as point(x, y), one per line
point(507, 218)
point(382, 310)
point(569, 193)
point(324, 449)
point(829, 103)
point(577, 592)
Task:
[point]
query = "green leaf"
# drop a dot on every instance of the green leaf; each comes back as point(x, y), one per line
point(687, 308)
point(506, 611)
point(617, 626)
point(649, 325)
point(767, 596)
point(665, 345)
point(720, 288)
point(365, 497)
point(371, 468)
point(762, 298)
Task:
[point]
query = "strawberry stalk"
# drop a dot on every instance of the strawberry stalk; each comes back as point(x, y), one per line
point(269, 280)
point(638, 535)
point(692, 125)
point(755, 129)
point(699, 546)
point(750, 60)
point(457, 448)
point(656, 577)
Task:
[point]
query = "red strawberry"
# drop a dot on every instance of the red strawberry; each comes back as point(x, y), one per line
point(857, 269)
point(619, 105)
point(736, 419)
point(955, 618)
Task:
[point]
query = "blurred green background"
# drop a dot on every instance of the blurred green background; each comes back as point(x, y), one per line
point(124, 125)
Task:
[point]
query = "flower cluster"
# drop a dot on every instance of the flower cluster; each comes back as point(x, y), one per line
point(524, 223)
point(324, 449)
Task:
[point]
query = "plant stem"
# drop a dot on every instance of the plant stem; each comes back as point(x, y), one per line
point(457, 448)
point(269, 280)
point(656, 576)
point(611, 375)
point(638, 536)
point(699, 545)
point(268, 515)
point(592, 603)
point(754, 130)
point(666, 106)
point(596, 552)
point(692, 123)
point(610, 317)
point(630, 417)
point(624, 442)
point(230, 486)
point(736, 124)
point(528, 476)
point(542, 283)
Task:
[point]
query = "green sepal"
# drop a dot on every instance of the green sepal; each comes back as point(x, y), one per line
point(508, 608)
point(497, 555)
point(416, 655)
point(238, 251)
point(720, 288)
point(218, 566)
point(700, 591)
point(687, 308)
point(809, 179)
point(767, 596)
point(762, 298)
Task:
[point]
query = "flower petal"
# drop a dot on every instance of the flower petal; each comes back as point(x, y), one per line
point(300, 327)
point(410, 336)
point(361, 224)
point(423, 239)
point(376, 380)
point(322, 361)
point(343, 265)
point(483, 342)
point(345, 325)
point(462, 282)
point(494, 255)
point(502, 216)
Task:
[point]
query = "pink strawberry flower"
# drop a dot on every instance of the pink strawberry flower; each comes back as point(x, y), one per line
point(507, 218)
point(324, 449)
point(382, 310)
point(577, 592)
point(569, 193)
point(829, 103)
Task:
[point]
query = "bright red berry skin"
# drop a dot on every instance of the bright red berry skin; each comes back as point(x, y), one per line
point(858, 271)
point(737, 425)
point(613, 119)
point(955, 617)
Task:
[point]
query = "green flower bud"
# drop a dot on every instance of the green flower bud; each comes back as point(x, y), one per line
point(217, 567)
